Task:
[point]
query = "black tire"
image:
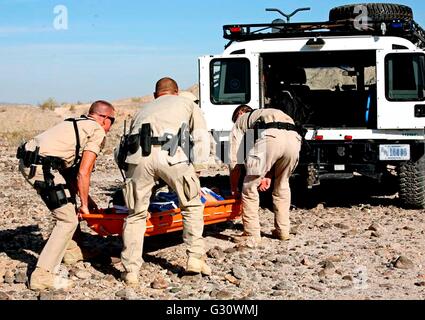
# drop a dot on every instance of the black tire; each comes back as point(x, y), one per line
point(376, 11)
point(412, 184)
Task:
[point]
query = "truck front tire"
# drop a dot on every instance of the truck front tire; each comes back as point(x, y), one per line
point(412, 184)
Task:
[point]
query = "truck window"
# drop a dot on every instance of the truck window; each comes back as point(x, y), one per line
point(230, 81)
point(334, 88)
point(405, 77)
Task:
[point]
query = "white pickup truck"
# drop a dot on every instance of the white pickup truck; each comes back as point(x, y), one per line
point(356, 82)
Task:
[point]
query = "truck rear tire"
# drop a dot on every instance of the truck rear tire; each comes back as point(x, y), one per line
point(412, 184)
point(376, 11)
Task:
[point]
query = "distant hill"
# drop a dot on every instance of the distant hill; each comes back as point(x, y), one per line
point(25, 121)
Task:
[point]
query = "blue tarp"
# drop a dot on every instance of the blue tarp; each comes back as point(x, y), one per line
point(164, 201)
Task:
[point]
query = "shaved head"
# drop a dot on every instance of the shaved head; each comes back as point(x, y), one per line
point(101, 107)
point(166, 86)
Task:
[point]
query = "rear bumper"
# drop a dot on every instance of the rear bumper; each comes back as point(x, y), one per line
point(333, 159)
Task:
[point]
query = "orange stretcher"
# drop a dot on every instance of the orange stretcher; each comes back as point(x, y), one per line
point(106, 222)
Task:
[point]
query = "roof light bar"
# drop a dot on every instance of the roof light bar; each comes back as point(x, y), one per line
point(235, 29)
point(318, 30)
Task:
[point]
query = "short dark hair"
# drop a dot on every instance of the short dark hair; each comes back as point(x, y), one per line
point(98, 105)
point(244, 108)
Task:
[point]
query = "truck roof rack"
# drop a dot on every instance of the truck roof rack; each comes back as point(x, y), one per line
point(409, 30)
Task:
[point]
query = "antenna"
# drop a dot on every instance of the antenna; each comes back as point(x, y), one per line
point(288, 16)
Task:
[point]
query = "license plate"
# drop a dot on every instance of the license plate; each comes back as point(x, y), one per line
point(394, 152)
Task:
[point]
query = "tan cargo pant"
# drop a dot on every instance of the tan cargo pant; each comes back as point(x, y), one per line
point(278, 148)
point(66, 223)
point(141, 178)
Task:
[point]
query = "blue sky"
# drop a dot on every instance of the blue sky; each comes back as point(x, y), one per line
point(118, 49)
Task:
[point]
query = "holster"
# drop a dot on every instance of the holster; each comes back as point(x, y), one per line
point(122, 152)
point(53, 196)
point(128, 144)
point(181, 139)
point(146, 139)
point(28, 157)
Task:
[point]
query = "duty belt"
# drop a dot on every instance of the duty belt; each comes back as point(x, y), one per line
point(159, 141)
point(130, 144)
point(276, 125)
point(30, 158)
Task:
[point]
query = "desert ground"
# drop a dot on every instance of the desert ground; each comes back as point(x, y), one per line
point(351, 240)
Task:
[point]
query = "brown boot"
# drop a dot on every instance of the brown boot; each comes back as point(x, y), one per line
point(72, 256)
point(131, 279)
point(198, 265)
point(251, 242)
point(283, 236)
point(245, 236)
point(44, 280)
point(75, 253)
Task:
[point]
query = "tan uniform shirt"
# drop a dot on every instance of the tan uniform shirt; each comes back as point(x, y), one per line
point(166, 114)
point(245, 122)
point(60, 141)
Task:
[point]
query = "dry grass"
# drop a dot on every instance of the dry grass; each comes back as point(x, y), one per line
point(16, 138)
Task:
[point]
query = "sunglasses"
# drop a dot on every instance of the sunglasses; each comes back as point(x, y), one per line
point(112, 119)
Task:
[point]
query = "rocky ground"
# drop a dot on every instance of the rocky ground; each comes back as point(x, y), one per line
point(349, 245)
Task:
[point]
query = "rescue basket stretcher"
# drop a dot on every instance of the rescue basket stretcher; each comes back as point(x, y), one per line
point(107, 222)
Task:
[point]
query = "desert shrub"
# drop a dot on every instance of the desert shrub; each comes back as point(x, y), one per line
point(72, 108)
point(49, 104)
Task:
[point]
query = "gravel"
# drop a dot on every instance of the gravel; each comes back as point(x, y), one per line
point(333, 253)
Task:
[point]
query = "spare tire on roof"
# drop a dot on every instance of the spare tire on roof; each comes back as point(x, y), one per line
point(376, 11)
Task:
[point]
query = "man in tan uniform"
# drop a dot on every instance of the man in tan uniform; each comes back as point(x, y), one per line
point(58, 164)
point(162, 159)
point(276, 148)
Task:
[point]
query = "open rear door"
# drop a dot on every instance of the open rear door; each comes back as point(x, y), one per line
point(224, 84)
point(401, 89)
